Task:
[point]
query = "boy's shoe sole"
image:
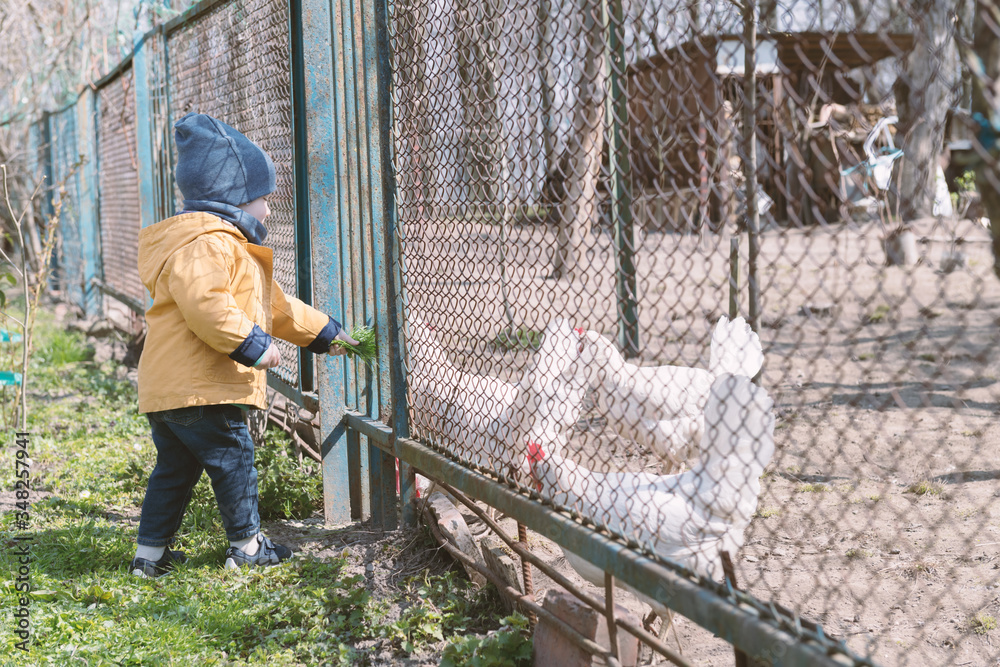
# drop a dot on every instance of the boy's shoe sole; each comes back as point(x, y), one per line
point(268, 553)
point(148, 569)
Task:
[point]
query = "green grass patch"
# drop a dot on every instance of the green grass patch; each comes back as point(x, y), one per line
point(982, 623)
point(91, 457)
point(923, 488)
point(520, 339)
point(813, 488)
point(61, 347)
point(878, 315)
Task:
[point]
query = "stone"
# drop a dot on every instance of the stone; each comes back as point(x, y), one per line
point(500, 561)
point(900, 247)
point(628, 645)
point(455, 530)
point(817, 309)
point(552, 647)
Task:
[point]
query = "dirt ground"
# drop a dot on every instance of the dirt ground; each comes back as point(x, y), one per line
point(877, 516)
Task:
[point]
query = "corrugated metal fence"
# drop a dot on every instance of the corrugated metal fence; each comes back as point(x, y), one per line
point(546, 210)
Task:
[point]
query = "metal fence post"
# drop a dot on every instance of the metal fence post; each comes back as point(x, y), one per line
point(90, 233)
point(143, 132)
point(325, 166)
point(303, 241)
point(621, 175)
point(378, 79)
point(350, 207)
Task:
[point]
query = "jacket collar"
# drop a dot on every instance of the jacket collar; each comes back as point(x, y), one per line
point(252, 229)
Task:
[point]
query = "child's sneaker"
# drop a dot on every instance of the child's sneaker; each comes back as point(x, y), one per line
point(148, 569)
point(268, 553)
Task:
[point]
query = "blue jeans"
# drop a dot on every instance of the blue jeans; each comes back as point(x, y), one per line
point(213, 438)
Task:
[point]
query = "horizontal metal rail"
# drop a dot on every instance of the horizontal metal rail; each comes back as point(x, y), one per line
point(524, 602)
point(118, 295)
point(751, 627)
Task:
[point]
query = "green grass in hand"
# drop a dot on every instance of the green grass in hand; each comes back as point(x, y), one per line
point(366, 350)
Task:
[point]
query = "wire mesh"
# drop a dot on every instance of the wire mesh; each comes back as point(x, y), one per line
point(543, 149)
point(233, 62)
point(119, 186)
point(162, 132)
point(65, 153)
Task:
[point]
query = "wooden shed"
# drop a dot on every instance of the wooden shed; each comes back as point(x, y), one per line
point(685, 117)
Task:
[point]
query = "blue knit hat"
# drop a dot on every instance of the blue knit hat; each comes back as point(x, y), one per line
point(219, 169)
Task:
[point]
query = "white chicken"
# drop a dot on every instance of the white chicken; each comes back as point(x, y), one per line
point(661, 407)
point(478, 417)
point(689, 517)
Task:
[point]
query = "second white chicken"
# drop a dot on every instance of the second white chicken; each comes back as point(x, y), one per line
point(662, 407)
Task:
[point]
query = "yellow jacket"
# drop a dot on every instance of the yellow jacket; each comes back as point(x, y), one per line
point(215, 306)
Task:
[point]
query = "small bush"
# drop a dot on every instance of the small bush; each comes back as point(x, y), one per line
point(967, 181)
point(59, 347)
point(285, 489)
point(439, 605)
point(507, 647)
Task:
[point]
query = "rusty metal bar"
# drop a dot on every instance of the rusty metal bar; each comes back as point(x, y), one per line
point(609, 608)
point(530, 607)
point(734, 276)
point(529, 586)
point(556, 576)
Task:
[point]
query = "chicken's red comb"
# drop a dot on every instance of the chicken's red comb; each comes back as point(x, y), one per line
point(580, 330)
point(535, 452)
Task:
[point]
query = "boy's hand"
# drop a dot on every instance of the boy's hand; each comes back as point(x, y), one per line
point(337, 350)
point(270, 359)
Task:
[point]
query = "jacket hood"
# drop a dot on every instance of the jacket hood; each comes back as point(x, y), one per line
point(157, 243)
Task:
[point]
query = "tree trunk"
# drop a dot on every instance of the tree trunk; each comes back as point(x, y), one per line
point(414, 133)
point(577, 207)
point(478, 27)
point(547, 83)
point(986, 101)
point(924, 93)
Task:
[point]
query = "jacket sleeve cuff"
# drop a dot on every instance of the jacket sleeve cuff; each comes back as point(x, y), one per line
point(252, 348)
point(321, 344)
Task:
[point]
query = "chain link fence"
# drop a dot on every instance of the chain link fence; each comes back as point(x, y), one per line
point(119, 186)
point(704, 277)
point(585, 165)
point(233, 62)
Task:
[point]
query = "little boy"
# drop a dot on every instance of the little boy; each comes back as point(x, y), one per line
point(215, 307)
